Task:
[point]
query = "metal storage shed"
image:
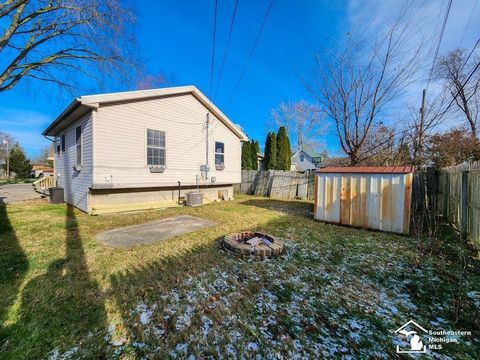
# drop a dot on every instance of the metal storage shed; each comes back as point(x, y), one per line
point(370, 197)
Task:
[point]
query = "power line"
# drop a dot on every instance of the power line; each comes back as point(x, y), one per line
point(251, 51)
point(447, 13)
point(213, 47)
point(461, 88)
point(468, 22)
point(470, 54)
point(226, 46)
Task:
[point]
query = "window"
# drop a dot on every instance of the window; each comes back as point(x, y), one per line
point(155, 147)
point(219, 153)
point(58, 149)
point(63, 143)
point(302, 157)
point(78, 144)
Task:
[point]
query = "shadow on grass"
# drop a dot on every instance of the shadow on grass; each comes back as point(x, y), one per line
point(150, 283)
point(13, 265)
point(297, 208)
point(59, 307)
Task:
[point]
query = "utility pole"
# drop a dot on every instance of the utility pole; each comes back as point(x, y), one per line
point(422, 125)
point(7, 159)
point(422, 109)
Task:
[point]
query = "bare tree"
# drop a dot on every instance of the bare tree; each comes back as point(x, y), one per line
point(355, 84)
point(43, 157)
point(454, 69)
point(4, 140)
point(304, 122)
point(154, 81)
point(54, 40)
point(420, 127)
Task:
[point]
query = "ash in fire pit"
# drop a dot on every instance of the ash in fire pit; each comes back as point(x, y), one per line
point(253, 244)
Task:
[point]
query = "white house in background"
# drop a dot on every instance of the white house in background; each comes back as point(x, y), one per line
point(302, 161)
point(141, 149)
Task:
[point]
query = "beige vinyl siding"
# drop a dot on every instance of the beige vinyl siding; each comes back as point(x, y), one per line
point(120, 143)
point(76, 184)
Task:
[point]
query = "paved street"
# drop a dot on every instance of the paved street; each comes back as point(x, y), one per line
point(17, 192)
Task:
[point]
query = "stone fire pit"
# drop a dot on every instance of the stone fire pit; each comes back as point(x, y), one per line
point(253, 244)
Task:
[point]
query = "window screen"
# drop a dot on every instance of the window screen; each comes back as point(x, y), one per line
point(219, 153)
point(155, 147)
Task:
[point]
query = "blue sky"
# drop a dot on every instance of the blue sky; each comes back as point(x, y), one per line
point(175, 37)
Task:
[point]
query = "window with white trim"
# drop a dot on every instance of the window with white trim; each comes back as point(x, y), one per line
point(219, 153)
point(78, 145)
point(302, 157)
point(62, 140)
point(155, 147)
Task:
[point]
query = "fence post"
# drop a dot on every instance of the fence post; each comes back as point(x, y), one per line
point(464, 205)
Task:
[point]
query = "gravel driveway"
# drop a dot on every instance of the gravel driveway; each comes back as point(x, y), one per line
point(17, 192)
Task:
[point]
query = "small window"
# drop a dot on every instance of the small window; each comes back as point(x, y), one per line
point(155, 147)
point(302, 157)
point(63, 143)
point(219, 153)
point(78, 145)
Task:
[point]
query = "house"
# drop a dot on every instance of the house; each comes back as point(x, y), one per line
point(261, 162)
point(144, 149)
point(302, 161)
point(334, 161)
point(39, 170)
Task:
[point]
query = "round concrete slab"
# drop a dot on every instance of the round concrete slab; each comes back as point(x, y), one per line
point(152, 232)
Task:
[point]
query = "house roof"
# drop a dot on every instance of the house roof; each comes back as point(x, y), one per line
point(368, 169)
point(301, 150)
point(42, 168)
point(84, 104)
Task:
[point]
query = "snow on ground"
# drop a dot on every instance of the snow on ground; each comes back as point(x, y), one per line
point(314, 301)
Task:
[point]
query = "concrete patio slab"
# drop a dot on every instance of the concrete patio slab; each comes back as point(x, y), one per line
point(152, 232)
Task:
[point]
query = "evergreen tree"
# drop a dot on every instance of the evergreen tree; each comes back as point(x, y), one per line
point(19, 163)
point(253, 154)
point(257, 146)
point(284, 152)
point(246, 156)
point(271, 151)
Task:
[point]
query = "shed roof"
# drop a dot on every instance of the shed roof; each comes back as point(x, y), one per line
point(368, 169)
point(83, 104)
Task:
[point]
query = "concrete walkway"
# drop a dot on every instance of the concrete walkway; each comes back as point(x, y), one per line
point(17, 192)
point(152, 232)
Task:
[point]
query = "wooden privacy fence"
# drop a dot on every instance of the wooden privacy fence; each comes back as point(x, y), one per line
point(458, 198)
point(277, 184)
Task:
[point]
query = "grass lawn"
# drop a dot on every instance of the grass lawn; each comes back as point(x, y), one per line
point(337, 292)
point(16, 181)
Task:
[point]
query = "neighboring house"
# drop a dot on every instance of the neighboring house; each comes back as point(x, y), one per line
point(302, 161)
point(334, 161)
point(140, 149)
point(39, 170)
point(261, 162)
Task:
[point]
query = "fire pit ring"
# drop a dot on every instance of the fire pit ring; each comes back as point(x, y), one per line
point(251, 244)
